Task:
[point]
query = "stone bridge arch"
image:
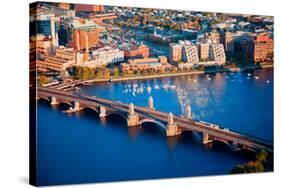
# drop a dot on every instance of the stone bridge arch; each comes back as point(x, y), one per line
point(158, 123)
point(45, 98)
point(238, 149)
point(92, 108)
point(70, 104)
point(218, 140)
point(122, 115)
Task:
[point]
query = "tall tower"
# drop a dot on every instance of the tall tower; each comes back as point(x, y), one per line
point(87, 43)
point(77, 40)
point(86, 55)
point(53, 34)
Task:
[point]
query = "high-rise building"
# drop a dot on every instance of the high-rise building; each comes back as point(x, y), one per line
point(190, 54)
point(228, 41)
point(74, 33)
point(204, 51)
point(259, 48)
point(175, 51)
point(218, 54)
point(215, 37)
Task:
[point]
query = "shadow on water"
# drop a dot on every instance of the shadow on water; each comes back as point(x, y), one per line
point(115, 121)
point(245, 154)
point(133, 132)
point(189, 137)
point(57, 107)
point(88, 113)
point(219, 146)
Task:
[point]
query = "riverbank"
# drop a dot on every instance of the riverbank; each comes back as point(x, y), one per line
point(70, 85)
point(142, 77)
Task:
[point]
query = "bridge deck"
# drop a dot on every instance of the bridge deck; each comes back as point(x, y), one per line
point(181, 122)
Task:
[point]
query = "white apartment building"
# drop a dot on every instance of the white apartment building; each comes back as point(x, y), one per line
point(218, 54)
point(107, 55)
point(190, 54)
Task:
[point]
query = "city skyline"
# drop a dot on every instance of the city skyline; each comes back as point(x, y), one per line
point(191, 77)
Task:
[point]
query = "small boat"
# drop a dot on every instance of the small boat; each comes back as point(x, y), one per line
point(148, 89)
point(209, 78)
point(249, 74)
point(267, 81)
point(256, 77)
point(173, 87)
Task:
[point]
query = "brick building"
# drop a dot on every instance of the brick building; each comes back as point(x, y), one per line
point(259, 48)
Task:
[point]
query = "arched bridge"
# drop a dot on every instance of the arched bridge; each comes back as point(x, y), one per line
point(136, 115)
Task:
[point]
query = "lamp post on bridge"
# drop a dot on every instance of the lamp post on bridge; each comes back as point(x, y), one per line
point(172, 128)
point(133, 117)
point(188, 112)
point(150, 103)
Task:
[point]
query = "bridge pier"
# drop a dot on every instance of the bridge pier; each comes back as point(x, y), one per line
point(172, 128)
point(133, 118)
point(234, 145)
point(205, 138)
point(102, 111)
point(54, 101)
point(76, 105)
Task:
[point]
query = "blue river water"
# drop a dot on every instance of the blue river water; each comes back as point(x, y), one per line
point(82, 148)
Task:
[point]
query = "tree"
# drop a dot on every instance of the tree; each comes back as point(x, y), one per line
point(103, 73)
point(92, 73)
point(43, 80)
point(124, 73)
point(174, 70)
point(115, 71)
point(78, 72)
point(262, 156)
point(85, 74)
point(202, 67)
point(138, 73)
point(144, 72)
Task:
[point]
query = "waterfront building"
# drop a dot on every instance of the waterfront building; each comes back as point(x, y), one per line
point(218, 54)
point(183, 52)
point(107, 55)
point(204, 51)
point(160, 63)
point(228, 41)
point(259, 48)
point(190, 54)
point(175, 52)
point(63, 58)
point(135, 51)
